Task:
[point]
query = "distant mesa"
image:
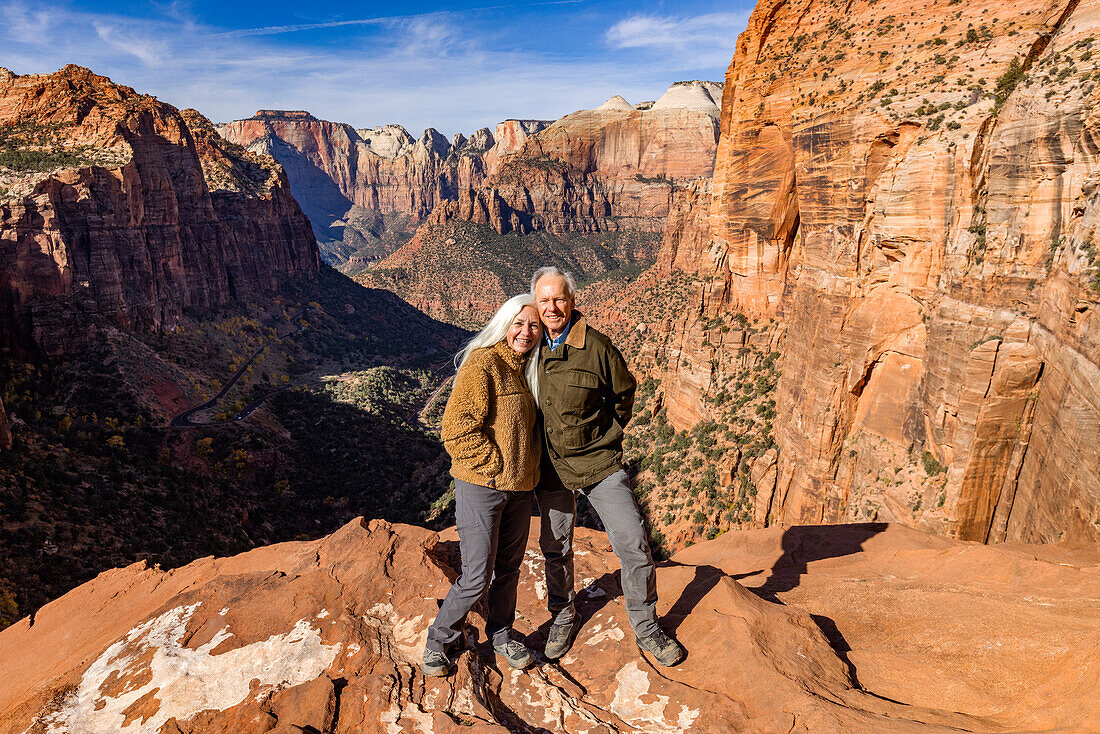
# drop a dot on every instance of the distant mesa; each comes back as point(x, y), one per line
point(283, 115)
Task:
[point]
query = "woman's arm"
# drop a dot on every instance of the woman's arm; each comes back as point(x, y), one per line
point(463, 432)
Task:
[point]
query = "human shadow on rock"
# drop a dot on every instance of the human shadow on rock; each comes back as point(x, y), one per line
point(804, 544)
point(706, 578)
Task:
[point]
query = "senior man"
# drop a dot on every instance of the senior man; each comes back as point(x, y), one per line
point(586, 394)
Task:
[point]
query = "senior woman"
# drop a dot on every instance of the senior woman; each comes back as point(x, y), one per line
point(489, 430)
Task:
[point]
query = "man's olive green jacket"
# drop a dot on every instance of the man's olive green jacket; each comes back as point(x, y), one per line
point(586, 394)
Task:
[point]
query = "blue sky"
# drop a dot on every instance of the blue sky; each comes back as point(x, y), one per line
point(456, 67)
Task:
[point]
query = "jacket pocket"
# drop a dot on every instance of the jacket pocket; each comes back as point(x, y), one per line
point(580, 392)
point(580, 437)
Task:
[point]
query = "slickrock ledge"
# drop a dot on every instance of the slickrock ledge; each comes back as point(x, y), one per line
point(326, 636)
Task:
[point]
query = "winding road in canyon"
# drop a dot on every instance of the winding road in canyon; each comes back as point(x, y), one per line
point(183, 420)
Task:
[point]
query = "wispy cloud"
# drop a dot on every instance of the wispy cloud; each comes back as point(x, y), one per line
point(446, 70)
point(148, 50)
point(697, 40)
point(23, 22)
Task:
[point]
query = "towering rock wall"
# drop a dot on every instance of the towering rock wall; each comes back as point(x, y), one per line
point(910, 199)
point(115, 205)
point(333, 167)
point(607, 169)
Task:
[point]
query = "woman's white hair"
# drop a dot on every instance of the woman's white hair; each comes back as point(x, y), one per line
point(497, 329)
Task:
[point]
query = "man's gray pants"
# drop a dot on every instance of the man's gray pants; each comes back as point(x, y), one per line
point(618, 510)
point(492, 535)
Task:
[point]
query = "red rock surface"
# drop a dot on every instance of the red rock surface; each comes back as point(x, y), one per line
point(327, 635)
point(910, 201)
point(338, 172)
point(157, 215)
point(604, 169)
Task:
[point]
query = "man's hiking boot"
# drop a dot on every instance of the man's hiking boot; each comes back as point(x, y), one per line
point(667, 650)
point(561, 639)
point(516, 653)
point(436, 664)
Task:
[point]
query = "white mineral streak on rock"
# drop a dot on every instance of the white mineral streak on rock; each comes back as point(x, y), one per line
point(533, 561)
point(186, 681)
point(419, 717)
point(648, 715)
point(409, 635)
point(611, 633)
point(322, 614)
point(556, 706)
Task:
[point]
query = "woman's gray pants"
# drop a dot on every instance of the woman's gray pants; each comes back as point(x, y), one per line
point(492, 536)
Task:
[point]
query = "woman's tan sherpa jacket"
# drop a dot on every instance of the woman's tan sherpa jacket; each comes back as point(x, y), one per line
point(489, 423)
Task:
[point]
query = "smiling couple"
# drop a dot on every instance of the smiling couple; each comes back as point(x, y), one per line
point(537, 414)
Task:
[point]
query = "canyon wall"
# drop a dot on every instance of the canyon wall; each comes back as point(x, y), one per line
point(116, 206)
point(906, 204)
point(610, 168)
point(607, 169)
point(343, 175)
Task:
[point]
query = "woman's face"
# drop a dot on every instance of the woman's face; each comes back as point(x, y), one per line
point(523, 334)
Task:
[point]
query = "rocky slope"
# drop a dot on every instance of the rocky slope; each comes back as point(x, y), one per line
point(358, 186)
point(589, 193)
point(903, 213)
point(614, 167)
point(879, 629)
point(122, 209)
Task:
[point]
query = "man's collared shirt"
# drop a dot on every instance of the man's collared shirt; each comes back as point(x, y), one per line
point(555, 343)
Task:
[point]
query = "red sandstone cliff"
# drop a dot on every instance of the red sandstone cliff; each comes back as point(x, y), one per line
point(115, 205)
point(906, 205)
point(338, 172)
point(327, 635)
point(614, 167)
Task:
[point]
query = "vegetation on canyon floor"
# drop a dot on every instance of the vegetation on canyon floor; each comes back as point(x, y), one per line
point(96, 479)
point(463, 261)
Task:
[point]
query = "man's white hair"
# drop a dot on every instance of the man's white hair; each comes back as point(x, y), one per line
point(570, 282)
point(497, 329)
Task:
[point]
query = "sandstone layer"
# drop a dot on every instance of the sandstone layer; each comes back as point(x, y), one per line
point(118, 207)
point(590, 193)
point(906, 204)
point(880, 629)
point(335, 169)
point(605, 169)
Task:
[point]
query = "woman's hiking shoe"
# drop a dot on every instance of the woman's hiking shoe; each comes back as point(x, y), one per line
point(561, 639)
point(436, 664)
point(516, 653)
point(667, 650)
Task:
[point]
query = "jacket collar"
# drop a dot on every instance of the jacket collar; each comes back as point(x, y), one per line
point(515, 361)
point(577, 331)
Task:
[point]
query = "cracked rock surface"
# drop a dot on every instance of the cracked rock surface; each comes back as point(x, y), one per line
point(862, 628)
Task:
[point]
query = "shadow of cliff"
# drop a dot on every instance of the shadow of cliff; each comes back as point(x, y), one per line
point(804, 544)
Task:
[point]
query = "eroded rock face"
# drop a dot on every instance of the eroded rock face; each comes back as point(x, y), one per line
point(910, 201)
point(333, 167)
point(142, 212)
point(327, 636)
point(605, 169)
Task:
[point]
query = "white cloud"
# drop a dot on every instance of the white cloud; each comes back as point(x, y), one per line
point(24, 23)
point(146, 49)
point(700, 40)
point(443, 70)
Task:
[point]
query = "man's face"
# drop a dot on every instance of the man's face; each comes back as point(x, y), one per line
point(554, 303)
